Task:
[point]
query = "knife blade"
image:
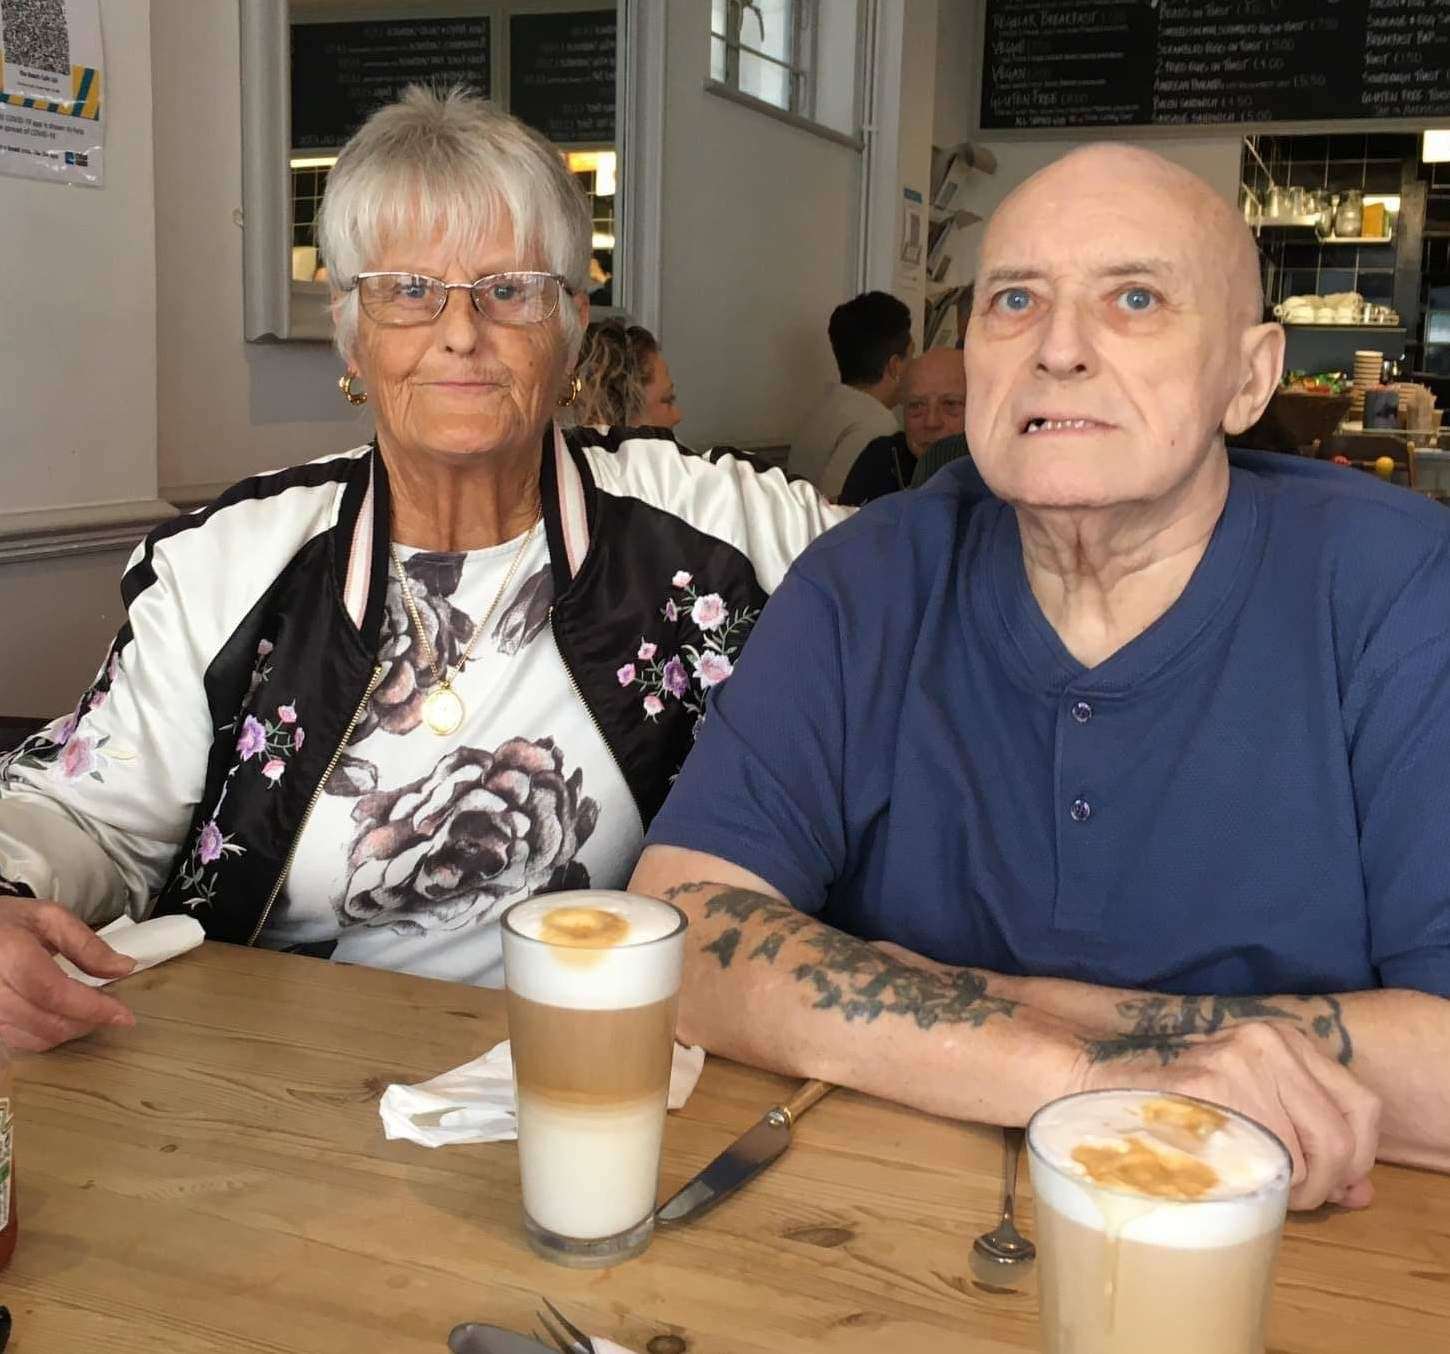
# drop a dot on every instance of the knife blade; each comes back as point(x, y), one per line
point(743, 1160)
point(473, 1338)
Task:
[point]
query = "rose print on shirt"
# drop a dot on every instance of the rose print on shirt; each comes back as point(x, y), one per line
point(446, 850)
point(688, 674)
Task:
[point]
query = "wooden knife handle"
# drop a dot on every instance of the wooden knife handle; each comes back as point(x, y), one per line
point(803, 1099)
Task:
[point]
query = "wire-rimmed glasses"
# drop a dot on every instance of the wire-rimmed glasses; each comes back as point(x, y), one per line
point(514, 299)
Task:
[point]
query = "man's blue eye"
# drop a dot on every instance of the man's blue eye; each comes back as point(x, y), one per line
point(1014, 300)
point(1138, 299)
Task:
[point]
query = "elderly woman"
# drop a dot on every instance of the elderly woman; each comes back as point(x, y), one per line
point(624, 379)
point(361, 705)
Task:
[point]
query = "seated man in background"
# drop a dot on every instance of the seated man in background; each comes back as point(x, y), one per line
point(871, 340)
point(1137, 768)
point(933, 406)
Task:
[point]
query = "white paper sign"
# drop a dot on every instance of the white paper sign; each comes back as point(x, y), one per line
point(50, 91)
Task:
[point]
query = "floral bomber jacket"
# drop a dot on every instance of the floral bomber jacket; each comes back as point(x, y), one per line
point(184, 776)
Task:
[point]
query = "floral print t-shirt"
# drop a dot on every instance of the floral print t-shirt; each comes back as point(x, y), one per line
point(418, 842)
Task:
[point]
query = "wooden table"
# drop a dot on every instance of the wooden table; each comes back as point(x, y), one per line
point(217, 1180)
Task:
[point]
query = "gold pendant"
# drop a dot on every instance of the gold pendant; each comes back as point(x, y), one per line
point(442, 710)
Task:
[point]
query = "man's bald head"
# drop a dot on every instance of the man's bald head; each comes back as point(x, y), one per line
point(933, 398)
point(1117, 336)
point(1166, 193)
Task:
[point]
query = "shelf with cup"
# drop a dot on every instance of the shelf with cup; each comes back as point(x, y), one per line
point(1311, 223)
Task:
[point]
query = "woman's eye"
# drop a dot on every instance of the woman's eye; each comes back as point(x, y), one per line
point(505, 291)
point(412, 288)
point(1137, 299)
point(1013, 301)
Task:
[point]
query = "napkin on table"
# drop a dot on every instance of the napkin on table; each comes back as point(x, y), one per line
point(475, 1102)
point(147, 942)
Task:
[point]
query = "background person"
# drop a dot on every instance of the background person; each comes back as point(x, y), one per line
point(624, 380)
point(933, 406)
point(871, 340)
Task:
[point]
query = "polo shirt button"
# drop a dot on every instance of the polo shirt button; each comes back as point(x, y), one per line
point(1081, 810)
point(1082, 712)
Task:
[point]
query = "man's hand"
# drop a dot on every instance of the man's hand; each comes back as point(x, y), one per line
point(39, 1006)
point(1273, 1073)
point(1270, 1071)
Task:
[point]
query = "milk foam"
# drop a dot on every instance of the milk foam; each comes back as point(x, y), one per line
point(1252, 1167)
point(636, 971)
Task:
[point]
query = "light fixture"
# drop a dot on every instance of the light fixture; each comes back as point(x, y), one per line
point(1436, 147)
point(313, 162)
point(602, 163)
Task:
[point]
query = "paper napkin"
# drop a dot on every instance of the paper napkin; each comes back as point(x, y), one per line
point(147, 942)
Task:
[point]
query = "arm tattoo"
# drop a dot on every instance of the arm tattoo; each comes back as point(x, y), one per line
point(845, 974)
point(1168, 1025)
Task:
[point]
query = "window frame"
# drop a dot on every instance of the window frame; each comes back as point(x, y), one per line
point(800, 66)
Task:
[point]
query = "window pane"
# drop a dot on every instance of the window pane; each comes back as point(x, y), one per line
point(717, 16)
point(774, 16)
point(765, 80)
point(717, 58)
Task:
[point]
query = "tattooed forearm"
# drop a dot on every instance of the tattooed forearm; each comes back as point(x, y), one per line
point(846, 975)
point(1168, 1025)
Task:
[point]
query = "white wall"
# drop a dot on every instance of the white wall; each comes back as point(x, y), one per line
point(759, 224)
point(77, 384)
point(1215, 157)
point(226, 408)
point(78, 400)
point(905, 77)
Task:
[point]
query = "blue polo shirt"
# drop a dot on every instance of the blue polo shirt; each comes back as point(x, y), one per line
point(1253, 796)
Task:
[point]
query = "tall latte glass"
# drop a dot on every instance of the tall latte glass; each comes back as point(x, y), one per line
point(593, 979)
point(1158, 1220)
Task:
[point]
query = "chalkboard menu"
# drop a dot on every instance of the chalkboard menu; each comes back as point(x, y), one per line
point(561, 74)
point(1125, 63)
point(341, 72)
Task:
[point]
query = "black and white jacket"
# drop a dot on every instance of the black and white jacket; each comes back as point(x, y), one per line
point(149, 797)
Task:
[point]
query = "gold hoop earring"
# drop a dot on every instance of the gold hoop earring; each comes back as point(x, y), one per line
point(344, 384)
point(575, 386)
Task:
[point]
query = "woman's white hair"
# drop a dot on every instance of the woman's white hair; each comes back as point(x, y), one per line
point(453, 164)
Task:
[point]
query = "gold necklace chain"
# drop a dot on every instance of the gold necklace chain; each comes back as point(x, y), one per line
point(443, 709)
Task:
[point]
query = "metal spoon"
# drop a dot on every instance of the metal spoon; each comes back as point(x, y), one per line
point(1003, 1255)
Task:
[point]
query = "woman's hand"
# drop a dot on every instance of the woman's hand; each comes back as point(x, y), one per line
point(40, 1006)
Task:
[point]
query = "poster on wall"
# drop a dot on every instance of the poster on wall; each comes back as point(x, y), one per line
point(50, 91)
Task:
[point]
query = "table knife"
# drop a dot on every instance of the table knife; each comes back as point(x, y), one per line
point(743, 1160)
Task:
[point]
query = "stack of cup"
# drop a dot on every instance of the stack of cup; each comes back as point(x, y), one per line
point(1368, 367)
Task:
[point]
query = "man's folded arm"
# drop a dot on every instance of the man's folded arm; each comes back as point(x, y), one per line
point(768, 985)
point(771, 986)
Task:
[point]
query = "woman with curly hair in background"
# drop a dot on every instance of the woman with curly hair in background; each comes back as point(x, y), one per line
point(359, 706)
point(624, 380)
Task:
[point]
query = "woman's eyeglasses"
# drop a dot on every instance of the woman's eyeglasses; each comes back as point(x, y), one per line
point(505, 298)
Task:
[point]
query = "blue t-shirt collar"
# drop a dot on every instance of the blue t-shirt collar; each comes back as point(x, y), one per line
point(1030, 647)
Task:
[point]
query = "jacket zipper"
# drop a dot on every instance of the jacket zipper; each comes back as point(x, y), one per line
point(317, 795)
point(588, 709)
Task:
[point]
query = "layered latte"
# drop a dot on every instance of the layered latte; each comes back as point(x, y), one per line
point(1158, 1221)
point(593, 979)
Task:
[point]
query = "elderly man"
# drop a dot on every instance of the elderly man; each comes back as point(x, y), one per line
point(1138, 769)
point(933, 406)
